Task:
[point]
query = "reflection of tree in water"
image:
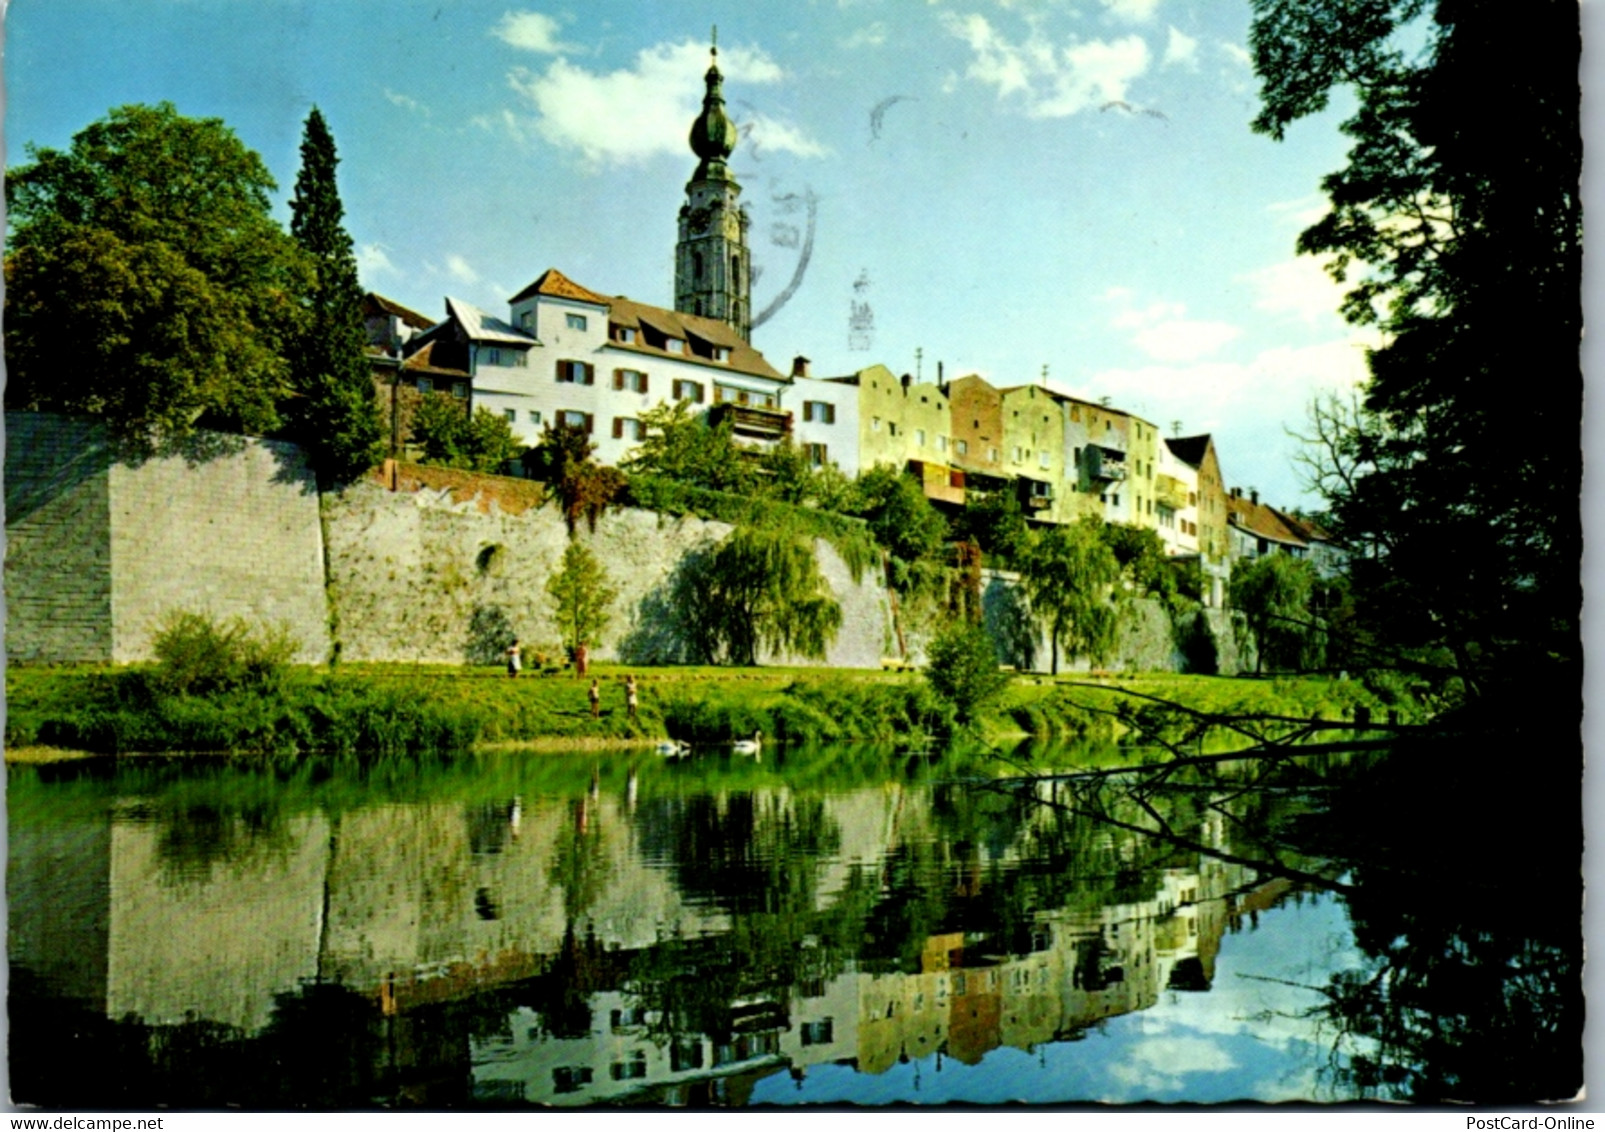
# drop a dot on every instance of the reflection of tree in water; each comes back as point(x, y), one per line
point(580, 866)
point(1466, 911)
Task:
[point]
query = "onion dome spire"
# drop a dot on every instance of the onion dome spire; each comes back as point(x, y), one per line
point(713, 134)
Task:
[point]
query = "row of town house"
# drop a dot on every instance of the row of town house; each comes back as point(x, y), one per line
point(567, 354)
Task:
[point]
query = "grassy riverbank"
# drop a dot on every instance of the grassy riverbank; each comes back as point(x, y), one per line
point(384, 709)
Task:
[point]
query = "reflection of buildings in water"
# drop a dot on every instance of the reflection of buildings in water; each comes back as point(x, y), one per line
point(428, 903)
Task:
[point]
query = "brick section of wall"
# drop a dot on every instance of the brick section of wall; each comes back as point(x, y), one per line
point(427, 575)
point(58, 544)
point(99, 551)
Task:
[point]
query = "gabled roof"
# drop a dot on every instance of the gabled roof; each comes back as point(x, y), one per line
point(482, 327)
point(554, 283)
point(1306, 529)
point(1189, 449)
point(1260, 521)
point(675, 324)
point(423, 361)
point(375, 303)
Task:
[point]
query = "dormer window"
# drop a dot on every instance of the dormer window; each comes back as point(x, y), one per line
point(720, 353)
point(629, 335)
point(674, 345)
point(575, 321)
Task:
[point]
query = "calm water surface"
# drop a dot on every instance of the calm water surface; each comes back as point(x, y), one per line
point(830, 926)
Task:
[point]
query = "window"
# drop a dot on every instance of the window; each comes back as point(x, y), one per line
point(627, 334)
point(630, 1070)
point(919, 437)
point(1019, 454)
point(575, 321)
point(992, 455)
point(674, 345)
point(577, 419)
point(941, 444)
point(534, 416)
point(1115, 500)
point(891, 428)
point(821, 412)
point(818, 1033)
point(459, 389)
point(815, 454)
point(1042, 458)
point(688, 391)
point(875, 425)
point(629, 380)
point(962, 447)
point(511, 415)
point(490, 356)
point(576, 373)
point(526, 321)
point(519, 359)
point(719, 353)
point(425, 385)
point(685, 1053)
point(570, 1078)
point(628, 428)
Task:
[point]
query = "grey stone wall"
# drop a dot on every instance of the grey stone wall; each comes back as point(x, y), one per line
point(58, 540)
point(100, 550)
point(420, 576)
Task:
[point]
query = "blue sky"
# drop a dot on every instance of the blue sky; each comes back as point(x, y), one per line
point(1009, 185)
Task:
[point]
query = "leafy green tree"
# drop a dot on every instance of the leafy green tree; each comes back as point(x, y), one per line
point(583, 488)
point(146, 281)
point(685, 448)
point(996, 523)
point(1462, 244)
point(1273, 593)
point(761, 589)
point(900, 517)
point(338, 414)
point(581, 595)
point(1069, 575)
point(962, 668)
point(449, 436)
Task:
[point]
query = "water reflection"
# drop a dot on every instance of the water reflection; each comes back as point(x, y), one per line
point(571, 933)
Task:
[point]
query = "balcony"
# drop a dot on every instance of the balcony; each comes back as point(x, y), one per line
point(749, 420)
point(1035, 495)
point(1170, 492)
point(1105, 463)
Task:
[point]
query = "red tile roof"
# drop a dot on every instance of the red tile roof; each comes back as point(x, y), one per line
point(553, 282)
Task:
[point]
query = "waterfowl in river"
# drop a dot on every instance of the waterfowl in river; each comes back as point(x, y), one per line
point(673, 748)
point(753, 746)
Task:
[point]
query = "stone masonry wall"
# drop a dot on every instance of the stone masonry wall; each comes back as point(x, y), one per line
point(99, 551)
point(58, 544)
point(434, 576)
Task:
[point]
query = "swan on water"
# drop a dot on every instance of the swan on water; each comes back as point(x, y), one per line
point(751, 746)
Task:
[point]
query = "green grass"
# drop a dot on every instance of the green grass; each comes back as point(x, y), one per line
point(382, 708)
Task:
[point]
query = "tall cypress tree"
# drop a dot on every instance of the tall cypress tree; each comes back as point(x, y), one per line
point(339, 417)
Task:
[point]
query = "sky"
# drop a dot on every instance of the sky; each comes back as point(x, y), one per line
point(1059, 190)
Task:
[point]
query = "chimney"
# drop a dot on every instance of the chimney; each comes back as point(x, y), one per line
point(1237, 493)
point(908, 379)
point(938, 373)
point(799, 366)
point(1253, 496)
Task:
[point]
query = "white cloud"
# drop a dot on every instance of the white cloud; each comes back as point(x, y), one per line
point(1236, 53)
point(763, 132)
point(531, 31)
point(871, 36)
point(1300, 213)
point(1053, 81)
point(458, 268)
point(1299, 287)
point(1183, 339)
point(395, 98)
point(1137, 11)
point(1180, 49)
point(630, 115)
point(372, 261)
point(1163, 331)
point(1157, 1065)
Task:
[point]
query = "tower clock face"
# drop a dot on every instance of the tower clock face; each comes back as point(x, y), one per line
point(699, 219)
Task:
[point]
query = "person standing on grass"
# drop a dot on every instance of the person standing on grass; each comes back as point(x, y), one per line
point(514, 659)
point(596, 700)
point(631, 701)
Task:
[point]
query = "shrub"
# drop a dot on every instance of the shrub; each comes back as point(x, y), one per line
point(199, 656)
point(963, 669)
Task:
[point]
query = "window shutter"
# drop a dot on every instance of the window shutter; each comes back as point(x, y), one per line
point(830, 414)
point(644, 380)
point(618, 379)
point(590, 373)
point(590, 423)
point(561, 372)
point(618, 428)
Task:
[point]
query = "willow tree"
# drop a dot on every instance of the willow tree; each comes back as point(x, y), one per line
point(1069, 575)
point(761, 589)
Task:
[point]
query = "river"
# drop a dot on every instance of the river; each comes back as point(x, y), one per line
point(835, 925)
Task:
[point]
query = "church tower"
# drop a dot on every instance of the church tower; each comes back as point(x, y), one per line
point(712, 270)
